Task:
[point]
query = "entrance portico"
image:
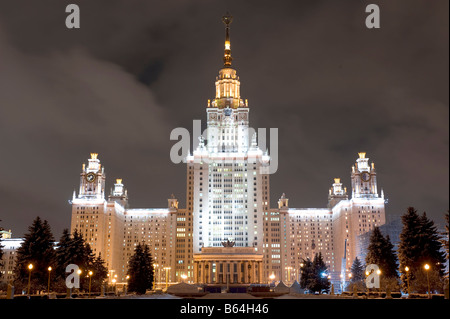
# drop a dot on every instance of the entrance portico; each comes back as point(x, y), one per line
point(233, 265)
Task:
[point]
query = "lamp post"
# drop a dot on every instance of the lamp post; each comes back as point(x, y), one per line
point(300, 272)
point(90, 280)
point(407, 280)
point(126, 287)
point(271, 278)
point(379, 273)
point(154, 275)
point(427, 268)
point(49, 272)
point(114, 285)
point(289, 273)
point(167, 276)
point(79, 273)
point(30, 268)
point(368, 289)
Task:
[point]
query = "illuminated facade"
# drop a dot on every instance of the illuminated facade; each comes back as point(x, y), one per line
point(228, 199)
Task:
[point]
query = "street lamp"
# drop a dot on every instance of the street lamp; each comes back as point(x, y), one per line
point(379, 273)
point(30, 267)
point(427, 268)
point(49, 271)
point(90, 280)
point(167, 275)
point(154, 276)
point(300, 272)
point(271, 278)
point(184, 277)
point(289, 273)
point(407, 279)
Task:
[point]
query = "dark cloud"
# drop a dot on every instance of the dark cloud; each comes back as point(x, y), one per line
point(137, 69)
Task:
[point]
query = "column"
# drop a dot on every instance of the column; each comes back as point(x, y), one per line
point(240, 271)
point(232, 272)
point(227, 272)
point(203, 272)
point(195, 272)
point(246, 271)
point(210, 272)
point(260, 269)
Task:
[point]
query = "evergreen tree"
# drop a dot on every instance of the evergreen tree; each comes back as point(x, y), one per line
point(307, 273)
point(375, 250)
point(419, 244)
point(314, 275)
point(37, 249)
point(381, 253)
point(431, 245)
point(74, 250)
point(62, 255)
point(357, 271)
point(140, 270)
point(100, 273)
point(409, 247)
point(321, 282)
point(445, 236)
point(391, 260)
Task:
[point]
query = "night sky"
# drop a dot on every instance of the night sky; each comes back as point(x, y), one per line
point(135, 70)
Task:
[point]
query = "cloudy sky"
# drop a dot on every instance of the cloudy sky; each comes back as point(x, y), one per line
point(135, 70)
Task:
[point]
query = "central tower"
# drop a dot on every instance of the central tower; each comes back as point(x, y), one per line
point(228, 186)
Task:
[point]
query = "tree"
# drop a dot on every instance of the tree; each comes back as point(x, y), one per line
point(314, 275)
point(37, 249)
point(307, 273)
point(140, 270)
point(73, 249)
point(391, 259)
point(322, 283)
point(62, 254)
point(357, 271)
point(431, 245)
point(357, 276)
point(420, 244)
point(381, 253)
point(100, 273)
point(445, 234)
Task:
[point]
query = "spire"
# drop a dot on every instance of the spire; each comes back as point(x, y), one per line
point(227, 19)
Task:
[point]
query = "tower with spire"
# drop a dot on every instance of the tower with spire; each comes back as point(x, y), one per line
point(227, 186)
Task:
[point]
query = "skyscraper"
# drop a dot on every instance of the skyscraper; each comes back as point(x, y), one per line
point(228, 233)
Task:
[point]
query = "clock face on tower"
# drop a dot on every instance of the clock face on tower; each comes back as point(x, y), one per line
point(90, 177)
point(365, 176)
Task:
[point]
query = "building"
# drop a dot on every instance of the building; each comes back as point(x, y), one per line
point(8, 261)
point(228, 233)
